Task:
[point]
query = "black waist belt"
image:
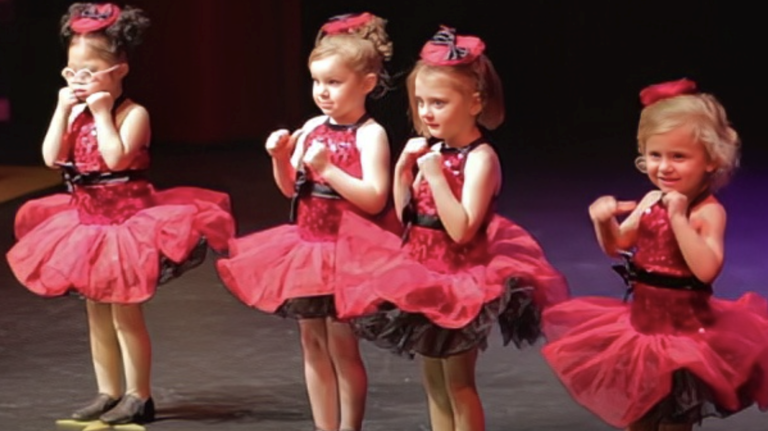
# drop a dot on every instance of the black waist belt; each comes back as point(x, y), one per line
point(304, 187)
point(411, 218)
point(631, 274)
point(73, 177)
point(323, 191)
point(427, 221)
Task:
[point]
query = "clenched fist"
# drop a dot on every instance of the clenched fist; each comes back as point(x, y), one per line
point(607, 207)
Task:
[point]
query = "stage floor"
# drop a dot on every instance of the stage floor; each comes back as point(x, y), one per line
point(18, 181)
point(219, 365)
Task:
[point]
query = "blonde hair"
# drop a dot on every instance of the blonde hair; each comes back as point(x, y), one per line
point(709, 126)
point(478, 76)
point(364, 50)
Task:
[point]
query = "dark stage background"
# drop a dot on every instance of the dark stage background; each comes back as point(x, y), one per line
point(221, 74)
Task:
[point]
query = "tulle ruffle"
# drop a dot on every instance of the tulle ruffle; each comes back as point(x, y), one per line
point(401, 304)
point(57, 253)
point(622, 374)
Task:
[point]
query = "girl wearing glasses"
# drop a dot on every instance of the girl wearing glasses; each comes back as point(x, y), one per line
point(112, 239)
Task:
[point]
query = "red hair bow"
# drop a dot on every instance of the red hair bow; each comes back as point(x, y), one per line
point(448, 49)
point(346, 23)
point(94, 17)
point(656, 92)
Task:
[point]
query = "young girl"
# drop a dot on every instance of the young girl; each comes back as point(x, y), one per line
point(461, 268)
point(112, 239)
point(675, 354)
point(337, 162)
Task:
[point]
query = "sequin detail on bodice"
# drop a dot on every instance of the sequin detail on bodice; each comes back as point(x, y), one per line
point(656, 309)
point(434, 247)
point(104, 203)
point(318, 218)
point(657, 248)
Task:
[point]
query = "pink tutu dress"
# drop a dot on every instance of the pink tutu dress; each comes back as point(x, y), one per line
point(427, 294)
point(113, 238)
point(674, 353)
point(290, 270)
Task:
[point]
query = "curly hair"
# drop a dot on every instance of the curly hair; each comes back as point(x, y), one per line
point(364, 49)
point(119, 39)
point(709, 125)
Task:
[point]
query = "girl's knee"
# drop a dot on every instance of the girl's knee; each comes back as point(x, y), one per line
point(313, 342)
point(460, 385)
point(344, 351)
point(129, 319)
point(439, 397)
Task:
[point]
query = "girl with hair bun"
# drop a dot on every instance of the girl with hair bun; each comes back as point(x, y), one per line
point(113, 238)
point(337, 162)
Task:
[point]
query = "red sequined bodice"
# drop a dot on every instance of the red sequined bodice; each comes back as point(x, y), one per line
point(434, 247)
point(318, 218)
point(657, 249)
point(104, 203)
point(659, 309)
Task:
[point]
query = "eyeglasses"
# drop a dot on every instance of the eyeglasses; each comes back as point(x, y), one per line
point(84, 76)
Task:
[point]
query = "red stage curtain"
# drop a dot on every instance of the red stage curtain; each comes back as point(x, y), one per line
point(216, 72)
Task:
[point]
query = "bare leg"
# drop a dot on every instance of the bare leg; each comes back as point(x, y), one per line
point(460, 379)
point(440, 410)
point(319, 374)
point(105, 350)
point(136, 348)
point(351, 374)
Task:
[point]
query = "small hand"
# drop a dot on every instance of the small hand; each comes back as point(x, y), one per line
point(430, 165)
point(676, 203)
point(280, 143)
point(67, 99)
point(607, 207)
point(414, 148)
point(317, 158)
point(100, 101)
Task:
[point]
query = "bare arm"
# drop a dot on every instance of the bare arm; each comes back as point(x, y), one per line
point(401, 189)
point(700, 238)
point(285, 176)
point(404, 177)
point(283, 169)
point(119, 143)
point(612, 236)
point(54, 148)
point(370, 192)
point(482, 180)
point(287, 152)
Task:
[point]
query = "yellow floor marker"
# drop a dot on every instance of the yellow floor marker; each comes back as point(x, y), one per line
point(129, 427)
point(71, 425)
point(97, 426)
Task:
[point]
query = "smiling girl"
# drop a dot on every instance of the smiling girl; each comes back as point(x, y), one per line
point(675, 354)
